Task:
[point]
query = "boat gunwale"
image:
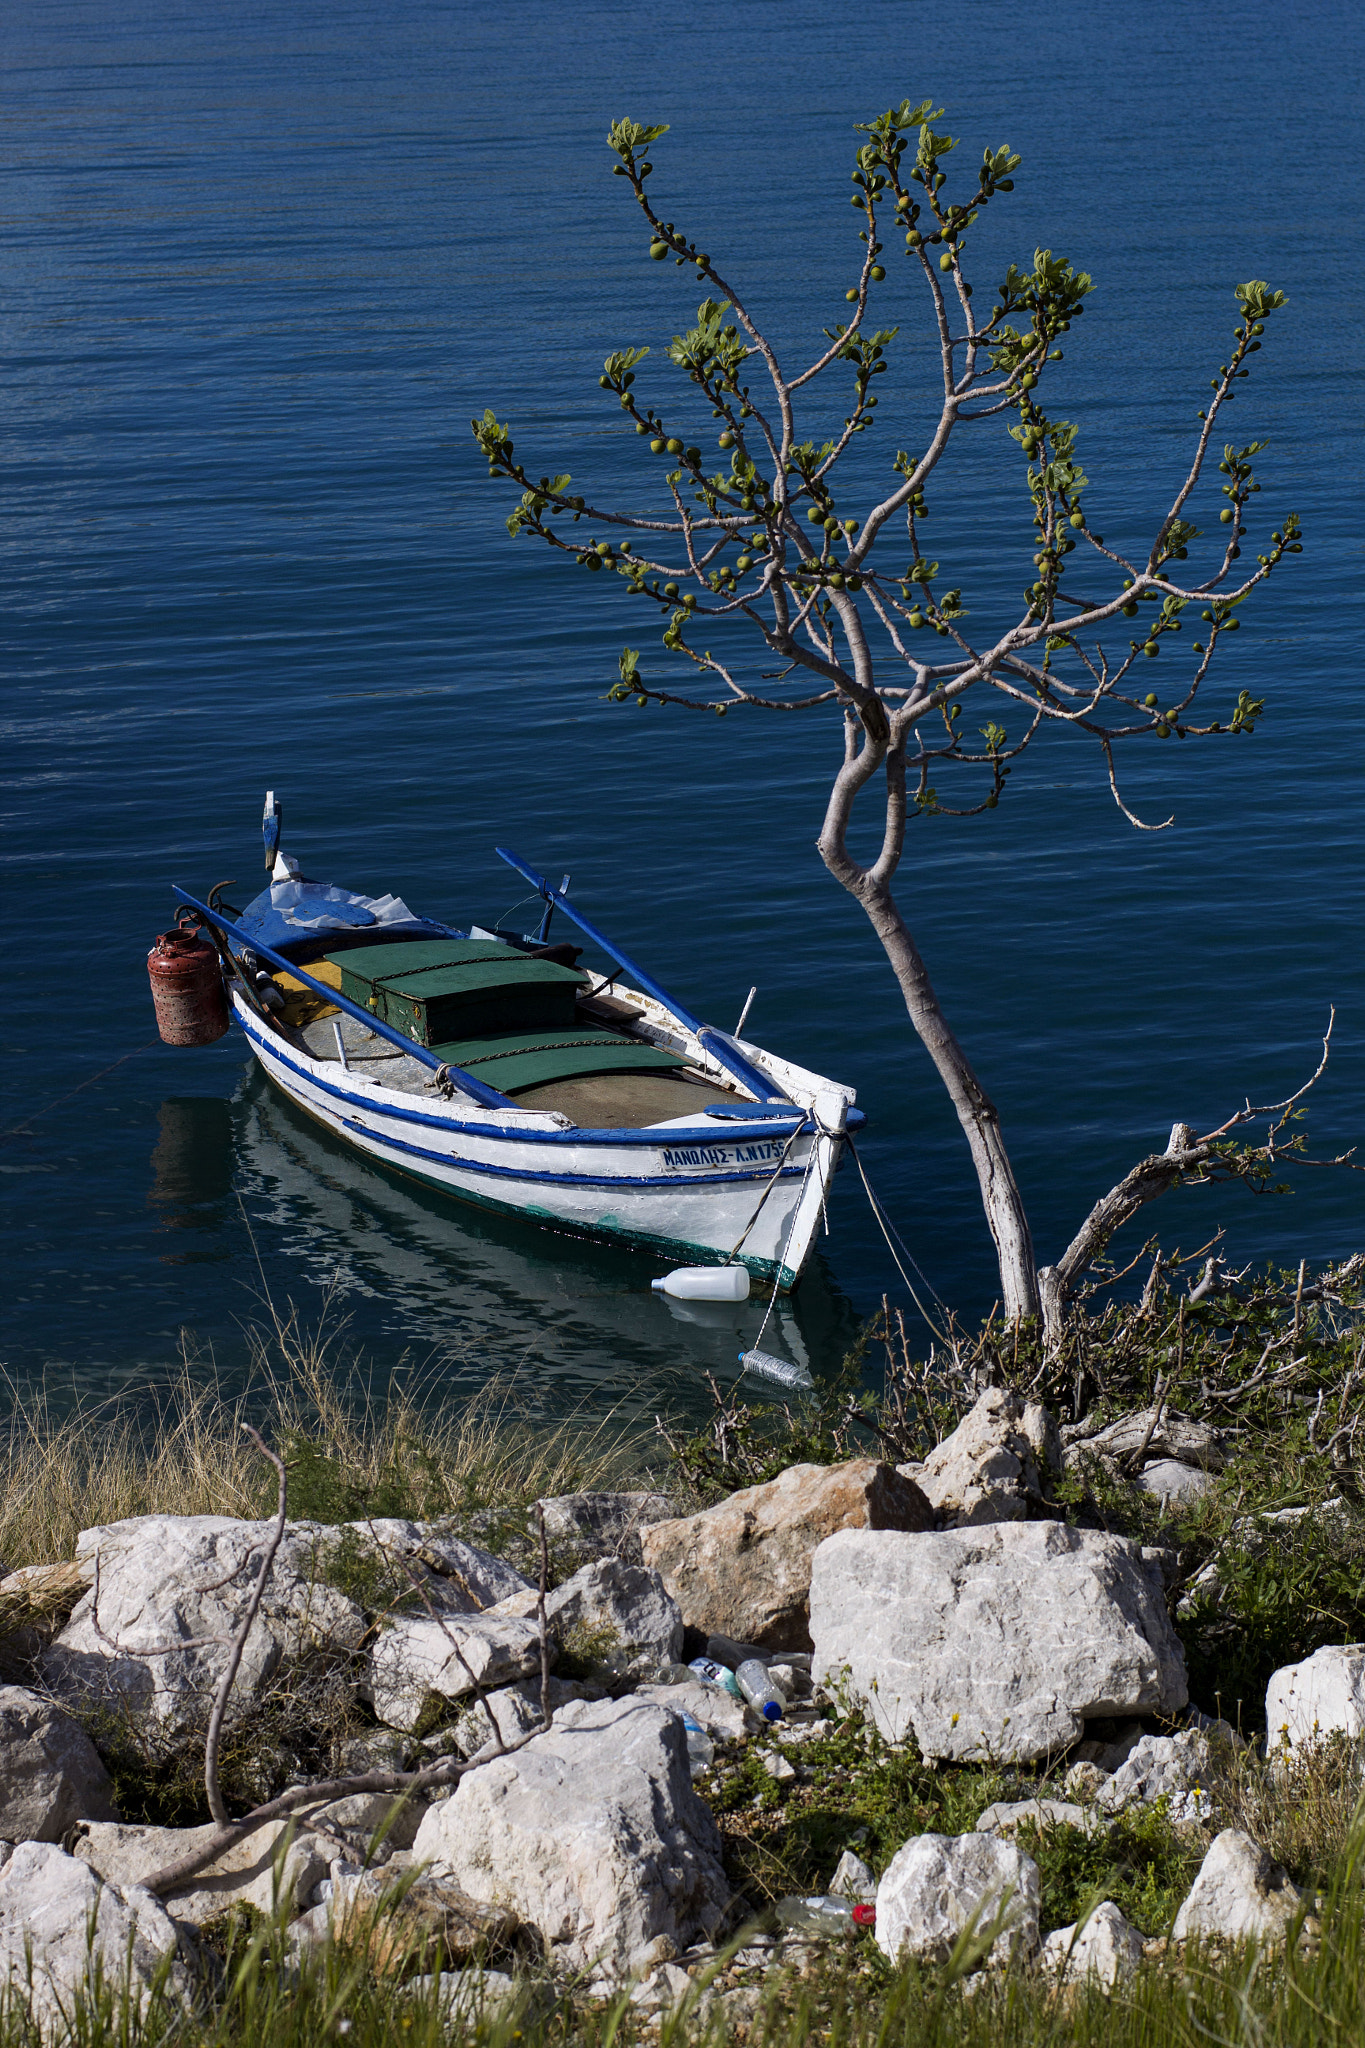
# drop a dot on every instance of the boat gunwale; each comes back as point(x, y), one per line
point(657, 1136)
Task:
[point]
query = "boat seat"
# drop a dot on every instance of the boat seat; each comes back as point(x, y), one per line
point(513, 1060)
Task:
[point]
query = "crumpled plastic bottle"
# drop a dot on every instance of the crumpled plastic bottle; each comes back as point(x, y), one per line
point(718, 1675)
point(822, 1914)
point(701, 1751)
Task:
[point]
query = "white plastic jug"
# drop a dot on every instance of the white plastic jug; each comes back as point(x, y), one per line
point(705, 1283)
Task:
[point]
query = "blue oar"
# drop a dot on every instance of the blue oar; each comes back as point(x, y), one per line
point(719, 1047)
point(480, 1090)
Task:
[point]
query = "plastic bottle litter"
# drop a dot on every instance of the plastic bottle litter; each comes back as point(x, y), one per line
point(701, 1751)
point(822, 1915)
point(717, 1675)
point(759, 1690)
point(705, 1283)
point(765, 1367)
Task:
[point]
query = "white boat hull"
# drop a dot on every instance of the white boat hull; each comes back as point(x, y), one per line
point(687, 1191)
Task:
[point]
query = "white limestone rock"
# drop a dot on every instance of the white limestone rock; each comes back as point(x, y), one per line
point(724, 1718)
point(57, 1918)
point(1308, 1702)
point(617, 1617)
point(50, 1772)
point(1106, 1949)
point(852, 1878)
point(1170, 1480)
point(1006, 1817)
point(1175, 1436)
point(602, 1524)
point(593, 1834)
point(1239, 1894)
point(1162, 1766)
point(454, 1576)
point(937, 1885)
point(416, 1655)
point(999, 1640)
point(996, 1465)
point(276, 1866)
point(467, 1996)
point(168, 1580)
point(509, 1713)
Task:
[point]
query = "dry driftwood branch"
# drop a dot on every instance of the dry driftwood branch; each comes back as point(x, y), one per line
point(1187, 1158)
point(448, 1771)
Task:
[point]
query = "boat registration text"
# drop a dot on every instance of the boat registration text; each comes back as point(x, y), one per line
point(762, 1151)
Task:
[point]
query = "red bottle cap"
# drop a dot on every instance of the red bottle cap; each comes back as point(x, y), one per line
point(864, 1916)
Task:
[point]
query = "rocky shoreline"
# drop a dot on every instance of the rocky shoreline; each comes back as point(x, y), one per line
point(509, 1781)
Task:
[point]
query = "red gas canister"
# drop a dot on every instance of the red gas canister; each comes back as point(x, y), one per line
point(187, 989)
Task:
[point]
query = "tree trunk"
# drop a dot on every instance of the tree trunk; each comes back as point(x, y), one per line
point(977, 1114)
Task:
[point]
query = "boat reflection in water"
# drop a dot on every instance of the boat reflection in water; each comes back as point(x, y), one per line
point(575, 1324)
point(192, 1176)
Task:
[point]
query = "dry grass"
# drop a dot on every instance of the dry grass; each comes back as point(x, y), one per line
point(404, 1452)
point(1304, 1809)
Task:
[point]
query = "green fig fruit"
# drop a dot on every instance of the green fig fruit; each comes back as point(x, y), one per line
point(945, 261)
point(1151, 647)
point(727, 440)
point(917, 620)
point(878, 272)
point(1163, 731)
point(658, 250)
point(670, 590)
point(744, 563)
point(1078, 520)
point(816, 514)
point(851, 297)
point(836, 581)
point(1151, 700)
point(1226, 515)
point(674, 445)
point(657, 446)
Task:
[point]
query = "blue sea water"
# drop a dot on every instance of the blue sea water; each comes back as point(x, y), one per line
point(262, 264)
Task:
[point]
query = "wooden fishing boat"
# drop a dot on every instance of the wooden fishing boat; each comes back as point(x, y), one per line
point(490, 1065)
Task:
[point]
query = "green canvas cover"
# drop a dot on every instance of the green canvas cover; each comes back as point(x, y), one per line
point(433, 990)
point(511, 1061)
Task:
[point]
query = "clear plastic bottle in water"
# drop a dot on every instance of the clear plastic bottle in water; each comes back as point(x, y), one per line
point(711, 1673)
point(759, 1690)
point(768, 1367)
point(701, 1751)
point(822, 1915)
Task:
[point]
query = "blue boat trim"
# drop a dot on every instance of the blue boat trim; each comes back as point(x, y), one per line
point(479, 1090)
point(716, 1042)
point(676, 1250)
point(570, 1180)
point(659, 1138)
